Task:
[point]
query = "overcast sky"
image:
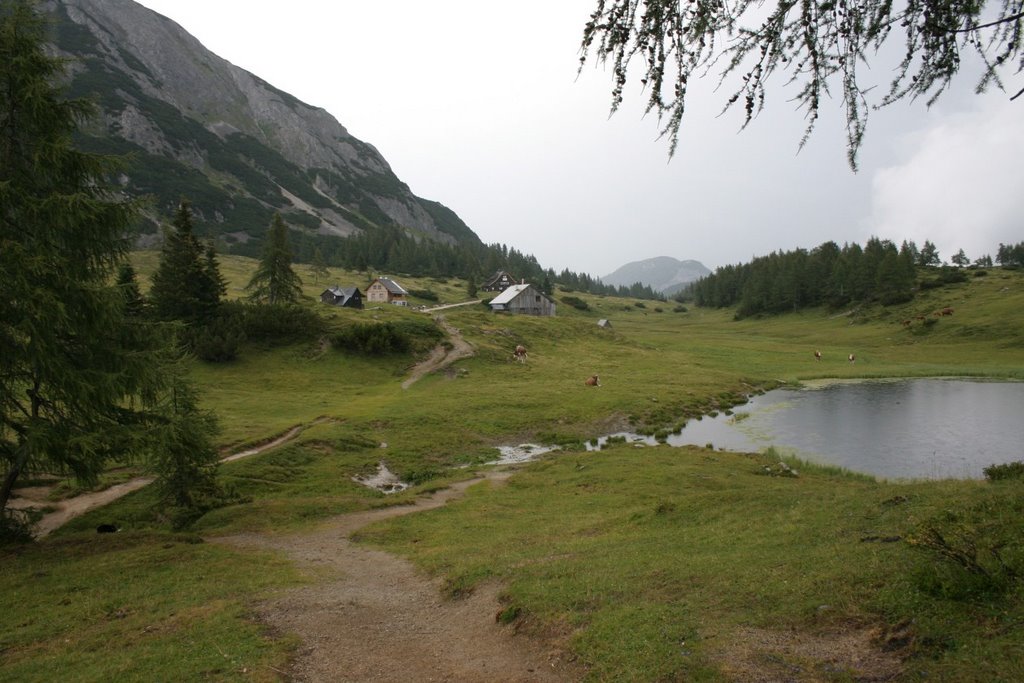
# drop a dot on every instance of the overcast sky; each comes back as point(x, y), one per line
point(477, 105)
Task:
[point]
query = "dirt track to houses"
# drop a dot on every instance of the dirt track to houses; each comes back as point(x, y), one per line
point(441, 357)
point(371, 616)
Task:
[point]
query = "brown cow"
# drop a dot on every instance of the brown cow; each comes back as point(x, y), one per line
point(946, 311)
point(852, 358)
point(520, 353)
point(817, 355)
point(593, 381)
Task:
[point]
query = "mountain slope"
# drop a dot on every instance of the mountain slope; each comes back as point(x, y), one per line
point(238, 148)
point(663, 274)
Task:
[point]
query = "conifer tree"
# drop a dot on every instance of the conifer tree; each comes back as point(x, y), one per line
point(274, 281)
point(187, 284)
point(79, 379)
point(318, 268)
point(129, 286)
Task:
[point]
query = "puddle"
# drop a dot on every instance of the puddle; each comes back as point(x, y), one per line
point(637, 440)
point(384, 480)
point(524, 452)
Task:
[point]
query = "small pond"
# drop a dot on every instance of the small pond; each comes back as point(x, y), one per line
point(907, 429)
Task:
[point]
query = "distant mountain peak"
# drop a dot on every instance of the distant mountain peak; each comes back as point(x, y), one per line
point(663, 274)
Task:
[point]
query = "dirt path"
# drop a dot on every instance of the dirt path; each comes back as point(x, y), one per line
point(441, 357)
point(371, 616)
point(69, 508)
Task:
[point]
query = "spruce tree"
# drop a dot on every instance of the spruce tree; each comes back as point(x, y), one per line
point(187, 284)
point(134, 304)
point(79, 379)
point(274, 281)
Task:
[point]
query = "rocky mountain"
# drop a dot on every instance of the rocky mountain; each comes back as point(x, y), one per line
point(662, 274)
point(196, 126)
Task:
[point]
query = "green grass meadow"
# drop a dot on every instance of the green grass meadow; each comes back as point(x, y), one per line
point(644, 562)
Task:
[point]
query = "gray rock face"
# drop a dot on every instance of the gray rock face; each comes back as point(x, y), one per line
point(238, 147)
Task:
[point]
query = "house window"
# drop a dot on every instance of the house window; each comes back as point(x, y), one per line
point(537, 298)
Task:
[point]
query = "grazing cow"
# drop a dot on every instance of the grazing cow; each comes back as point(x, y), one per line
point(906, 323)
point(593, 381)
point(817, 355)
point(520, 353)
point(107, 529)
point(852, 358)
point(946, 311)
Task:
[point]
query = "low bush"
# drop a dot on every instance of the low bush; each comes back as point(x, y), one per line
point(216, 340)
point(376, 339)
point(425, 294)
point(278, 323)
point(945, 276)
point(576, 302)
point(1010, 470)
point(974, 551)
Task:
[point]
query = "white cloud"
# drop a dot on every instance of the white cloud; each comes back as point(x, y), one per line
point(961, 184)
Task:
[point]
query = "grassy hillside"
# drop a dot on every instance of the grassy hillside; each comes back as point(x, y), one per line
point(650, 564)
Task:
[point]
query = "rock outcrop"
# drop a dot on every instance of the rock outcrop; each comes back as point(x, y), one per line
point(240, 149)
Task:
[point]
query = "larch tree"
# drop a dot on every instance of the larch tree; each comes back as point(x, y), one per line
point(81, 380)
point(814, 46)
point(318, 268)
point(274, 281)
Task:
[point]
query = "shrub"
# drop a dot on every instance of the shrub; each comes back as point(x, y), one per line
point(639, 304)
point(215, 341)
point(973, 552)
point(576, 302)
point(1010, 470)
point(376, 339)
point(16, 526)
point(278, 323)
point(425, 294)
point(945, 276)
point(680, 309)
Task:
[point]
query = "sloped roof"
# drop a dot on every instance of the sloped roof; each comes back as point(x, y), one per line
point(497, 276)
point(391, 285)
point(509, 294)
point(342, 293)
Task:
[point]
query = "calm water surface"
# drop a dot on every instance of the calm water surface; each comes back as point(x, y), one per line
point(915, 429)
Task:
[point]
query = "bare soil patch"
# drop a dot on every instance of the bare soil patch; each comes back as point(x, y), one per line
point(442, 356)
point(371, 616)
point(755, 655)
point(68, 509)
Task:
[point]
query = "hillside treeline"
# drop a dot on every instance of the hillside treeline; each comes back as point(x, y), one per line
point(827, 275)
point(391, 250)
point(1011, 255)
